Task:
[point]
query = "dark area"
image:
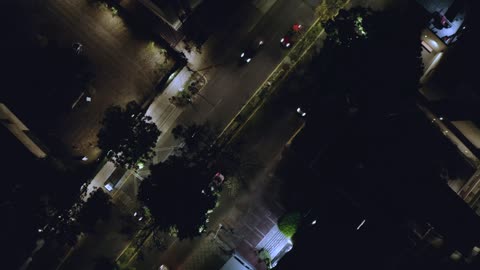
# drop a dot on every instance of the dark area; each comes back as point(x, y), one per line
point(362, 180)
point(209, 17)
point(42, 79)
point(34, 193)
point(367, 154)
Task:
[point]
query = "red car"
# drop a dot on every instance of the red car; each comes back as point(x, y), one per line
point(218, 179)
point(291, 36)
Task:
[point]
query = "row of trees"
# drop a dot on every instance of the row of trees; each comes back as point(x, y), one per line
point(181, 192)
point(178, 192)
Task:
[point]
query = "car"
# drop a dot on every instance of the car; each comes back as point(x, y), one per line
point(218, 179)
point(247, 55)
point(301, 112)
point(291, 36)
point(140, 214)
point(216, 183)
point(77, 47)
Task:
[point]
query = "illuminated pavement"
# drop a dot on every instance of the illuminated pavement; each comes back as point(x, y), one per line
point(126, 68)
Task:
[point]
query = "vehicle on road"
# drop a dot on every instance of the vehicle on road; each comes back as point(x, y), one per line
point(291, 36)
point(247, 55)
point(140, 214)
point(301, 112)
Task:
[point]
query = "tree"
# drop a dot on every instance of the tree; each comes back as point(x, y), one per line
point(238, 161)
point(347, 26)
point(128, 135)
point(177, 194)
point(288, 224)
point(97, 207)
point(328, 9)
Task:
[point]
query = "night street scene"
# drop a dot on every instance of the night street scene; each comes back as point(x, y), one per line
point(240, 135)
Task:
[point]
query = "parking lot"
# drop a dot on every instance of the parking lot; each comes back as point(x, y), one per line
point(126, 67)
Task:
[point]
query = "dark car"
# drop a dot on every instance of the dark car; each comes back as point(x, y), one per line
point(140, 214)
point(291, 36)
point(301, 111)
point(247, 55)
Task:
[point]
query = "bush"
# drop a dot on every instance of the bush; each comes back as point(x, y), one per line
point(288, 224)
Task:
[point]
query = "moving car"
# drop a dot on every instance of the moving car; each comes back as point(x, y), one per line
point(301, 112)
point(247, 55)
point(291, 36)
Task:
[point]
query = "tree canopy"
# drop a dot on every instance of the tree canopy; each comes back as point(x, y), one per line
point(288, 224)
point(97, 207)
point(128, 135)
point(178, 191)
point(173, 193)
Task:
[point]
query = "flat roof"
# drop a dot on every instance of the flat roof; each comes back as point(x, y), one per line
point(237, 263)
point(437, 5)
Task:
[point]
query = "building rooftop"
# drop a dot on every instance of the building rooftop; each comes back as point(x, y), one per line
point(447, 18)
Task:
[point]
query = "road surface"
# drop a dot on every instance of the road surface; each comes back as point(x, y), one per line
point(229, 86)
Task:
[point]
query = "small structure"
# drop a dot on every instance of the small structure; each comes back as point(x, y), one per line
point(446, 18)
point(236, 262)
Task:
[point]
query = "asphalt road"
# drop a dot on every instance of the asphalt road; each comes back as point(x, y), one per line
point(228, 87)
